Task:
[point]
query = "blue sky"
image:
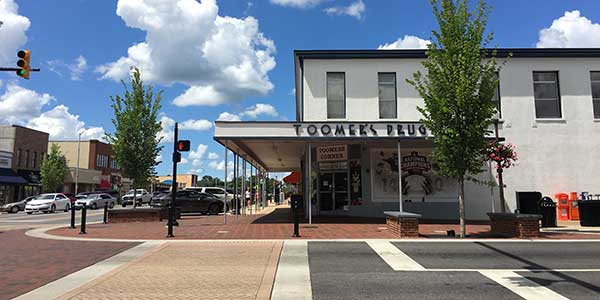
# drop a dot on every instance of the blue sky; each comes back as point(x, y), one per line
point(228, 56)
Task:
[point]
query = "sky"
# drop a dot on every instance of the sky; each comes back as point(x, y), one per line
point(220, 60)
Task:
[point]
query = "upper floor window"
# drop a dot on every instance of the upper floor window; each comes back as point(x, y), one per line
point(34, 163)
point(595, 76)
point(336, 95)
point(114, 164)
point(19, 157)
point(496, 97)
point(26, 158)
point(387, 95)
point(547, 95)
point(101, 161)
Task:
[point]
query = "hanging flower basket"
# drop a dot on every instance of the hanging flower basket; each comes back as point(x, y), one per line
point(504, 155)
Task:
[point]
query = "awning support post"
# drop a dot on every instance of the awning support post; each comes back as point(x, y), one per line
point(225, 188)
point(399, 177)
point(309, 183)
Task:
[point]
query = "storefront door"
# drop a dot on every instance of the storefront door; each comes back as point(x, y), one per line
point(333, 192)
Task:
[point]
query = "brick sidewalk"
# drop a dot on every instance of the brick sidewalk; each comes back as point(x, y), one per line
point(28, 263)
point(215, 270)
point(277, 225)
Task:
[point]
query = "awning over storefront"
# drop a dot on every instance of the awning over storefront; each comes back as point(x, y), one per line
point(32, 177)
point(9, 177)
point(293, 178)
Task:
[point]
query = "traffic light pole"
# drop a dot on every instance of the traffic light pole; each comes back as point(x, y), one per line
point(174, 184)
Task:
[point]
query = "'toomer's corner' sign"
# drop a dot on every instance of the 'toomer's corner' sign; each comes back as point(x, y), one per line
point(361, 130)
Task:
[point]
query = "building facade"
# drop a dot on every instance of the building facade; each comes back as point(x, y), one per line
point(98, 169)
point(356, 112)
point(183, 181)
point(21, 153)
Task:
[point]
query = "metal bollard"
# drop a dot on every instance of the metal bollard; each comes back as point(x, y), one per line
point(105, 218)
point(72, 216)
point(83, 213)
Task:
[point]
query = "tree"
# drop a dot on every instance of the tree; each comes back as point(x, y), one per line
point(458, 90)
point(53, 170)
point(135, 142)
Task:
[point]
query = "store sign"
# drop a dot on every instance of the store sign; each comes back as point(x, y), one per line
point(361, 129)
point(332, 153)
point(340, 165)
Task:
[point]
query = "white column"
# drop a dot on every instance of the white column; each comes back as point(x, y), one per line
point(225, 188)
point(309, 183)
point(399, 177)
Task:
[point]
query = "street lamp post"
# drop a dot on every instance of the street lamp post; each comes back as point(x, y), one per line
point(77, 167)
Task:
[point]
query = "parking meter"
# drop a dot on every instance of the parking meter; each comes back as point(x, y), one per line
point(296, 202)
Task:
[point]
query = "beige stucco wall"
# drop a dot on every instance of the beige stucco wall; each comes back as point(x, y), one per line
point(69, 149)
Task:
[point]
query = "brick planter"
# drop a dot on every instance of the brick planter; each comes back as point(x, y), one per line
point(139, 215)
point(403, 224)
point(515, 225)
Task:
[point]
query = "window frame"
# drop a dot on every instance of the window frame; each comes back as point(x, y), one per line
point(327, 96)
point(499, 100)
point(558, 93)
point(596, 114)
point(395, 95)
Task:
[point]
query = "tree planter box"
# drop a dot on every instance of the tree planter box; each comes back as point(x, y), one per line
point(140, 215)
point(515, 225)
point(403, 224)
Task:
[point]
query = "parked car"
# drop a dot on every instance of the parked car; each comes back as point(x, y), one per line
point(113, 193)
point(15, 207)
point(95, 201)
point(157, 194)
point(191, 201)
point(141, 196)
point(215, 191)
point(48, 203)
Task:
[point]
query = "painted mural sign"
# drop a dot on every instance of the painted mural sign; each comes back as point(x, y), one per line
point(420, 183)
point(361, 130)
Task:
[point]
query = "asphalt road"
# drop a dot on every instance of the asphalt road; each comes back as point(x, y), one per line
point(455, 270)
point(22, 220)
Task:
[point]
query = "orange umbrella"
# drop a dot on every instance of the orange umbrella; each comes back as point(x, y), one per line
point(293, 178)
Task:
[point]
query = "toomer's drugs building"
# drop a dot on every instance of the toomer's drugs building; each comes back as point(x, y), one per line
point(355, 113)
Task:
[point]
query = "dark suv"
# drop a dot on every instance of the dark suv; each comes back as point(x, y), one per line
point(191, 202)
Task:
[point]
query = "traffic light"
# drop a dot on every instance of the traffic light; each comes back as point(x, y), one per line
point(24, 63)
point(183, 145)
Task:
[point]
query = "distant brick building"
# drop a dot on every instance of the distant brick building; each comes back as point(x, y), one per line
point(21, 153)
point(183, 180)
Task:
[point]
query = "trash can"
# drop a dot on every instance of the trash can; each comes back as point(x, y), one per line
point(589, 212)
point(547, 208)
point(528, 202)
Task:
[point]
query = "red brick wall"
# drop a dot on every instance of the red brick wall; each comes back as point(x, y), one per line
point(403, 227)
point(520, 228)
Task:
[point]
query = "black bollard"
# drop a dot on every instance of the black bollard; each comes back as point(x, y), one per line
point(105, 218)
point(295, 208)
point(83, 213)
point(72, 216)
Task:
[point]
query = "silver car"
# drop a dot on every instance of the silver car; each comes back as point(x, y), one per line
point(95, 201)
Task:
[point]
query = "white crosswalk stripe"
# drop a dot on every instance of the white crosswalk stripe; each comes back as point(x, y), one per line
point(395, 258)
point(522, 286)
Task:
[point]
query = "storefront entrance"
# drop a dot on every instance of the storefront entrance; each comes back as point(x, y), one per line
point(333, 192)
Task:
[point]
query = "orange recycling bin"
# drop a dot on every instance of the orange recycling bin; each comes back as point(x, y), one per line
point(563, 206)
point(573, 208)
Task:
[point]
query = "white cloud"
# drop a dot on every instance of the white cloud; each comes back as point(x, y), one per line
point(158, 158)
point(198, 154)
point(298, 3)
point(220, 59)
point(183, 161)
point(570, 31)
point(12, 32)
point(355, 9)
point(198, 125)
point(62, 125)
point(167, 132)
point(75, 69)
point(213, 156)
point(225, 116)
point(18, 104)
point(260, 109)
point(220, 166)
point(196, 171)
point(407, 42)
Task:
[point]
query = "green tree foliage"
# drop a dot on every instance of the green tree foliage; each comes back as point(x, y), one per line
point(53, 170)
point(135, 142)
point(458, 89)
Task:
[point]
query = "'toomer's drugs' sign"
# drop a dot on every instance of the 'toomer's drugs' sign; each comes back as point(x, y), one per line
point(332, 153)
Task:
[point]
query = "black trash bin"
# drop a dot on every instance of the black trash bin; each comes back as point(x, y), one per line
point(589, 212)
point(528, 202)
point(547, 208)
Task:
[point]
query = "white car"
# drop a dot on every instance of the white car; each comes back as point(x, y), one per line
point(95, 201)
point(48, 203)
point(141, 196)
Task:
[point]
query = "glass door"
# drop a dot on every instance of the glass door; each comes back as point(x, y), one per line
point(326, 192)
point(340, 190)
point(333, 191)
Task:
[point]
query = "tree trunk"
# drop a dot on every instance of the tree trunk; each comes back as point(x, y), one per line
point(501, 191)
point(461, 207)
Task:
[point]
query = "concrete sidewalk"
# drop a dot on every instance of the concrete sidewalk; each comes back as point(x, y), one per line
point(215, 270)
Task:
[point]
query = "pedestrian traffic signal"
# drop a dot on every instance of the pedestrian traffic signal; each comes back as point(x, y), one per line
point(183, 145)
point(24, 63)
